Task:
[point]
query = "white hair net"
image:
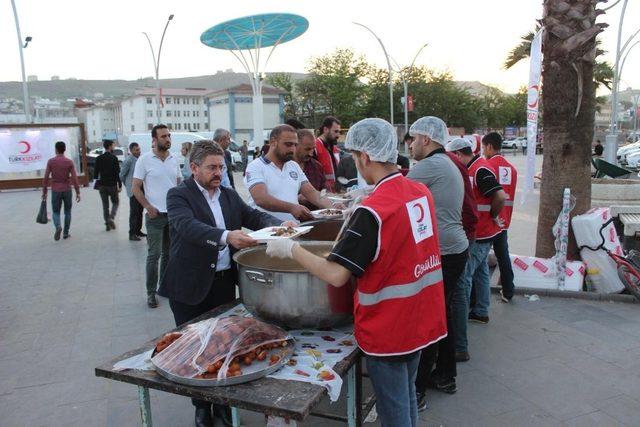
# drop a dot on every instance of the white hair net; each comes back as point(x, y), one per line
point(458, 144)
point(430, 126)
point(376, 137)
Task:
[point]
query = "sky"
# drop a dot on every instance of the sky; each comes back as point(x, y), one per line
point(89, 39)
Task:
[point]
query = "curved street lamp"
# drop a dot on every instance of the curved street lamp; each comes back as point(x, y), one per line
point(405, 85)
point(25, 89)
point(156, 65)
point(388, 66)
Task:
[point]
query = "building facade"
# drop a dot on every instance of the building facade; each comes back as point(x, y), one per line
point(232, 109)
point(181, 110)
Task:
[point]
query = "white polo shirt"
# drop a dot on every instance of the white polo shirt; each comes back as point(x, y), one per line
point(159, 177)
point(282, 184)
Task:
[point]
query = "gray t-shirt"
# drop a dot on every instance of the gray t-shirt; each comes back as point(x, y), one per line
point(444, 181)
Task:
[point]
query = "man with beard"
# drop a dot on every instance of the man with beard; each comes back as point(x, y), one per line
point(275, 180)
point(158, 171)
point(438, 172)
point(327, 152)
point(310, 166)
point(205, 219)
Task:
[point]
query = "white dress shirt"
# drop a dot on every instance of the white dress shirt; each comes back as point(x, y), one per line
point(224, 255)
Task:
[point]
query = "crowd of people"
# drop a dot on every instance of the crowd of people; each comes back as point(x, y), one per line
point(443, 215)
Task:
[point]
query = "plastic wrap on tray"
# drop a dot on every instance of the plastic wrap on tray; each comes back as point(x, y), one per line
point(219, 348)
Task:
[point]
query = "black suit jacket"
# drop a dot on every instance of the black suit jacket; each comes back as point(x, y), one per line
point(194, 239)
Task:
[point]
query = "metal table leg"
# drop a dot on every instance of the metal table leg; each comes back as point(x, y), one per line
point(235, 417)
point(145, 406)
point(351, 397)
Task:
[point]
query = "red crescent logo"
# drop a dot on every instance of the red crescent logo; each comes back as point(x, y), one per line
point(419, 206)
point(506, 172)
point(27, 145)
point(535, 100)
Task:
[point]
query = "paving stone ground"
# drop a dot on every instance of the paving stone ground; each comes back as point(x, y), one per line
point(68, 306)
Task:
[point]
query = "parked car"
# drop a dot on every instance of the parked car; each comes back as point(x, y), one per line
point(632, 159)
point(514, 143)
point(625, 151)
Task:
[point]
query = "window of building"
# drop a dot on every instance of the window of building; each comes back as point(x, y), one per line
point(177, 100)
point(149, 113)
point(168, 100)
point(206, 113)
point(186, 113)
point(206, 126)
point(149, 126)
point(170, 126)
point(186, 100)
point(168, 113)
point(149, 100)
point(133, 128)
point(178, 126)
point(177, 113)
point(195, 113)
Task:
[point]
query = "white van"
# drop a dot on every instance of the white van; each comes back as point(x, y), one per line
point(177, 138)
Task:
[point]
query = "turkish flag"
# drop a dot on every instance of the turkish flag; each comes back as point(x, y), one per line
point(409, 103)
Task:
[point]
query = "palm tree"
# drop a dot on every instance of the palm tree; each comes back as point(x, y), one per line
point(602, 72)
point(568, 95)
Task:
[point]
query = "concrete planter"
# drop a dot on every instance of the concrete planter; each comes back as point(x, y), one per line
point(606, 192)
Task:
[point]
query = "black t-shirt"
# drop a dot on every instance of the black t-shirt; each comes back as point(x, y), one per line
point(485, 180)
point(359, 242)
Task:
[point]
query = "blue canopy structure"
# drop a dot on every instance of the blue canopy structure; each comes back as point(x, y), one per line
point(245, 37)
point(255, 32)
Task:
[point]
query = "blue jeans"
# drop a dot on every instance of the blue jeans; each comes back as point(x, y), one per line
point(501, 249)
point(394, 384)
point(57, 199)
point(477, 271)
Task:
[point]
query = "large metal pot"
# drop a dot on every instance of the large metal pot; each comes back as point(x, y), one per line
point(283, 292)
point(325, 230)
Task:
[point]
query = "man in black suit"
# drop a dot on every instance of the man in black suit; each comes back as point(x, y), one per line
point(205, 221)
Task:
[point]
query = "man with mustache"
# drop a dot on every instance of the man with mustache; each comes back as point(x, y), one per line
point(157, 171)
point(275, 180)
point(205, 219)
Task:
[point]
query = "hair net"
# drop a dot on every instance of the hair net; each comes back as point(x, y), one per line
point(430, 126)
point(375, 137)
point(458, 144)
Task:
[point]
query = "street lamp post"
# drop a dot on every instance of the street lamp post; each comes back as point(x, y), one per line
point(388, 67)
point(156, 65)
point(612, 137)
point(405, 85)
point(25, 89)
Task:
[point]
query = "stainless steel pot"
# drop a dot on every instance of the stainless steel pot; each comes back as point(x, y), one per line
point(283, 292)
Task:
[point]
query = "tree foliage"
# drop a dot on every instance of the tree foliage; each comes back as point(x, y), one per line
point(345, 85)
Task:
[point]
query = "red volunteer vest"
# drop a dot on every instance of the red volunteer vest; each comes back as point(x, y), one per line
point(486, 228)
point(507, 178)
point(399, 305)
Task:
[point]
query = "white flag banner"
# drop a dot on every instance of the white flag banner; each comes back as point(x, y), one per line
point(28, 150)
point(533, 96)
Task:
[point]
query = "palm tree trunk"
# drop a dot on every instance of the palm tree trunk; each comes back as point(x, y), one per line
point(568, 98)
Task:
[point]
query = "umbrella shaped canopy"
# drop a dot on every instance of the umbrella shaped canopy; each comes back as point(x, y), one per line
point(255, 32)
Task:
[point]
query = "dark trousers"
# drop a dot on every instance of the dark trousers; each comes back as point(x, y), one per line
point(58, 198)
point(107, 193)
point(158, 244)
point(501, 250)
point(223, 291)
point(135, 216)
point(443, 353)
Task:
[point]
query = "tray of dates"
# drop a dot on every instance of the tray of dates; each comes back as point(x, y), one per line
point(220, 352)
